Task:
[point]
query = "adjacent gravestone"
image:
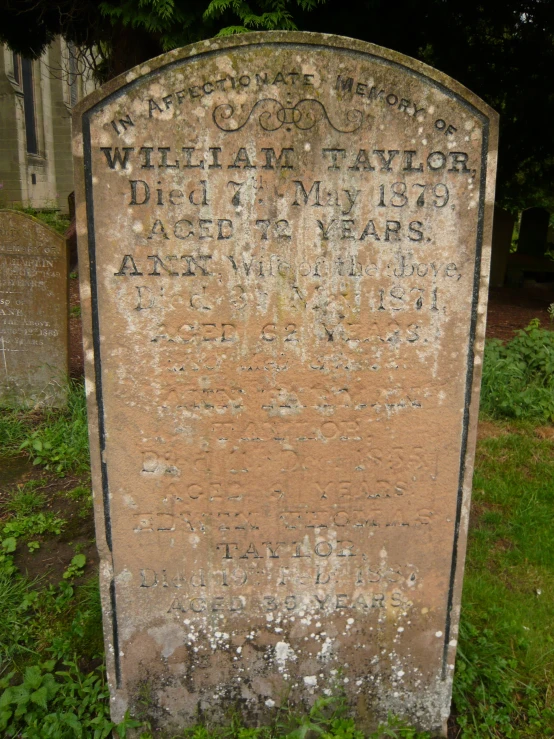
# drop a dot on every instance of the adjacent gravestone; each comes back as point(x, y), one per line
point(284, 241)
point(502, 232)
point(34, 302)
point(533, 232)
point(71, 233)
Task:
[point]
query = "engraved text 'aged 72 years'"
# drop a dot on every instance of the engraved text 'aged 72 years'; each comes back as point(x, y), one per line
point(284, 245)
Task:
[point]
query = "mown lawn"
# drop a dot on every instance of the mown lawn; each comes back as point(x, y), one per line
point(504, 680)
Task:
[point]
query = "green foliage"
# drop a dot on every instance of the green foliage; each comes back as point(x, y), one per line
point(26, 499)
point(26, 520)
point(13, 428)
point(171, 22)
point(175, 23)
point(76, 567)
point(39, 616)
point(32, 524)
point(327, 719)
point(50, 216)
point(59, 441)
point(399, 729)
point(269, 15)
point(15, 606)
point(82, 495)
point(518, 377)
point(62, 704)
point(485, 685)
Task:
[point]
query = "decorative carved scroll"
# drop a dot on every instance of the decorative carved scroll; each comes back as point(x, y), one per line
point(273, 115)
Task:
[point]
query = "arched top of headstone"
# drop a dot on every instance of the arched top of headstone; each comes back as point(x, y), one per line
point(17, 220)
point(287, 42)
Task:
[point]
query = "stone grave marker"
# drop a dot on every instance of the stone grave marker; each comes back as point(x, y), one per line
point(502, 232)
point(533, 232)
point(34, 305)
point(284, 246)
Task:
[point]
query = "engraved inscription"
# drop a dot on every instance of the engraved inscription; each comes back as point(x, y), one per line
point(33, 312)
point(285, 311)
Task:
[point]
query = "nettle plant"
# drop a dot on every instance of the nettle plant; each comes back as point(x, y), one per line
point(518, 376)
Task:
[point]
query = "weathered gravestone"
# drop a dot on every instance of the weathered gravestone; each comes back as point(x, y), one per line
point(533, 232)
point(502, 231)
point(34, 305)
point(286, 238)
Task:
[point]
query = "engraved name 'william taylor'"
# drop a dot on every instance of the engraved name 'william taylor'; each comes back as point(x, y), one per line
point(215, 157)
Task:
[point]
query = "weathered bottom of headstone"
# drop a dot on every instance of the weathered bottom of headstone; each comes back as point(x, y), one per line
point(209, 669)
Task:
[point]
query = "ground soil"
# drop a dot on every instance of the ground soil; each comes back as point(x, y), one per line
point(76, 358)
point(490, 429)
point(512, 308)
point(56, 552)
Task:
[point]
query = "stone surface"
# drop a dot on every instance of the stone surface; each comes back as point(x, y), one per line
point(34, 336)
point(284, 245)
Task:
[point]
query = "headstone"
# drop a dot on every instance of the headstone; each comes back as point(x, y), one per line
point(71, 233)
point(502, 231)
point(71, 206)
point(284, 241)
point(34, 302)
point(533, 232)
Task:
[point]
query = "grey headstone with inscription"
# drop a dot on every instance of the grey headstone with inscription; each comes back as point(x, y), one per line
point(284, 246)
point(502, 232)
point(533, 232)
point(34, 308)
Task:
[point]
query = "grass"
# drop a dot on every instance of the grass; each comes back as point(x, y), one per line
point(56, 439)
point(504, 680)
point(51, 216)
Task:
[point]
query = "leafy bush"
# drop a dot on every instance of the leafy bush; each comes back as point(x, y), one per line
point(518, 376)
point(62, 704)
